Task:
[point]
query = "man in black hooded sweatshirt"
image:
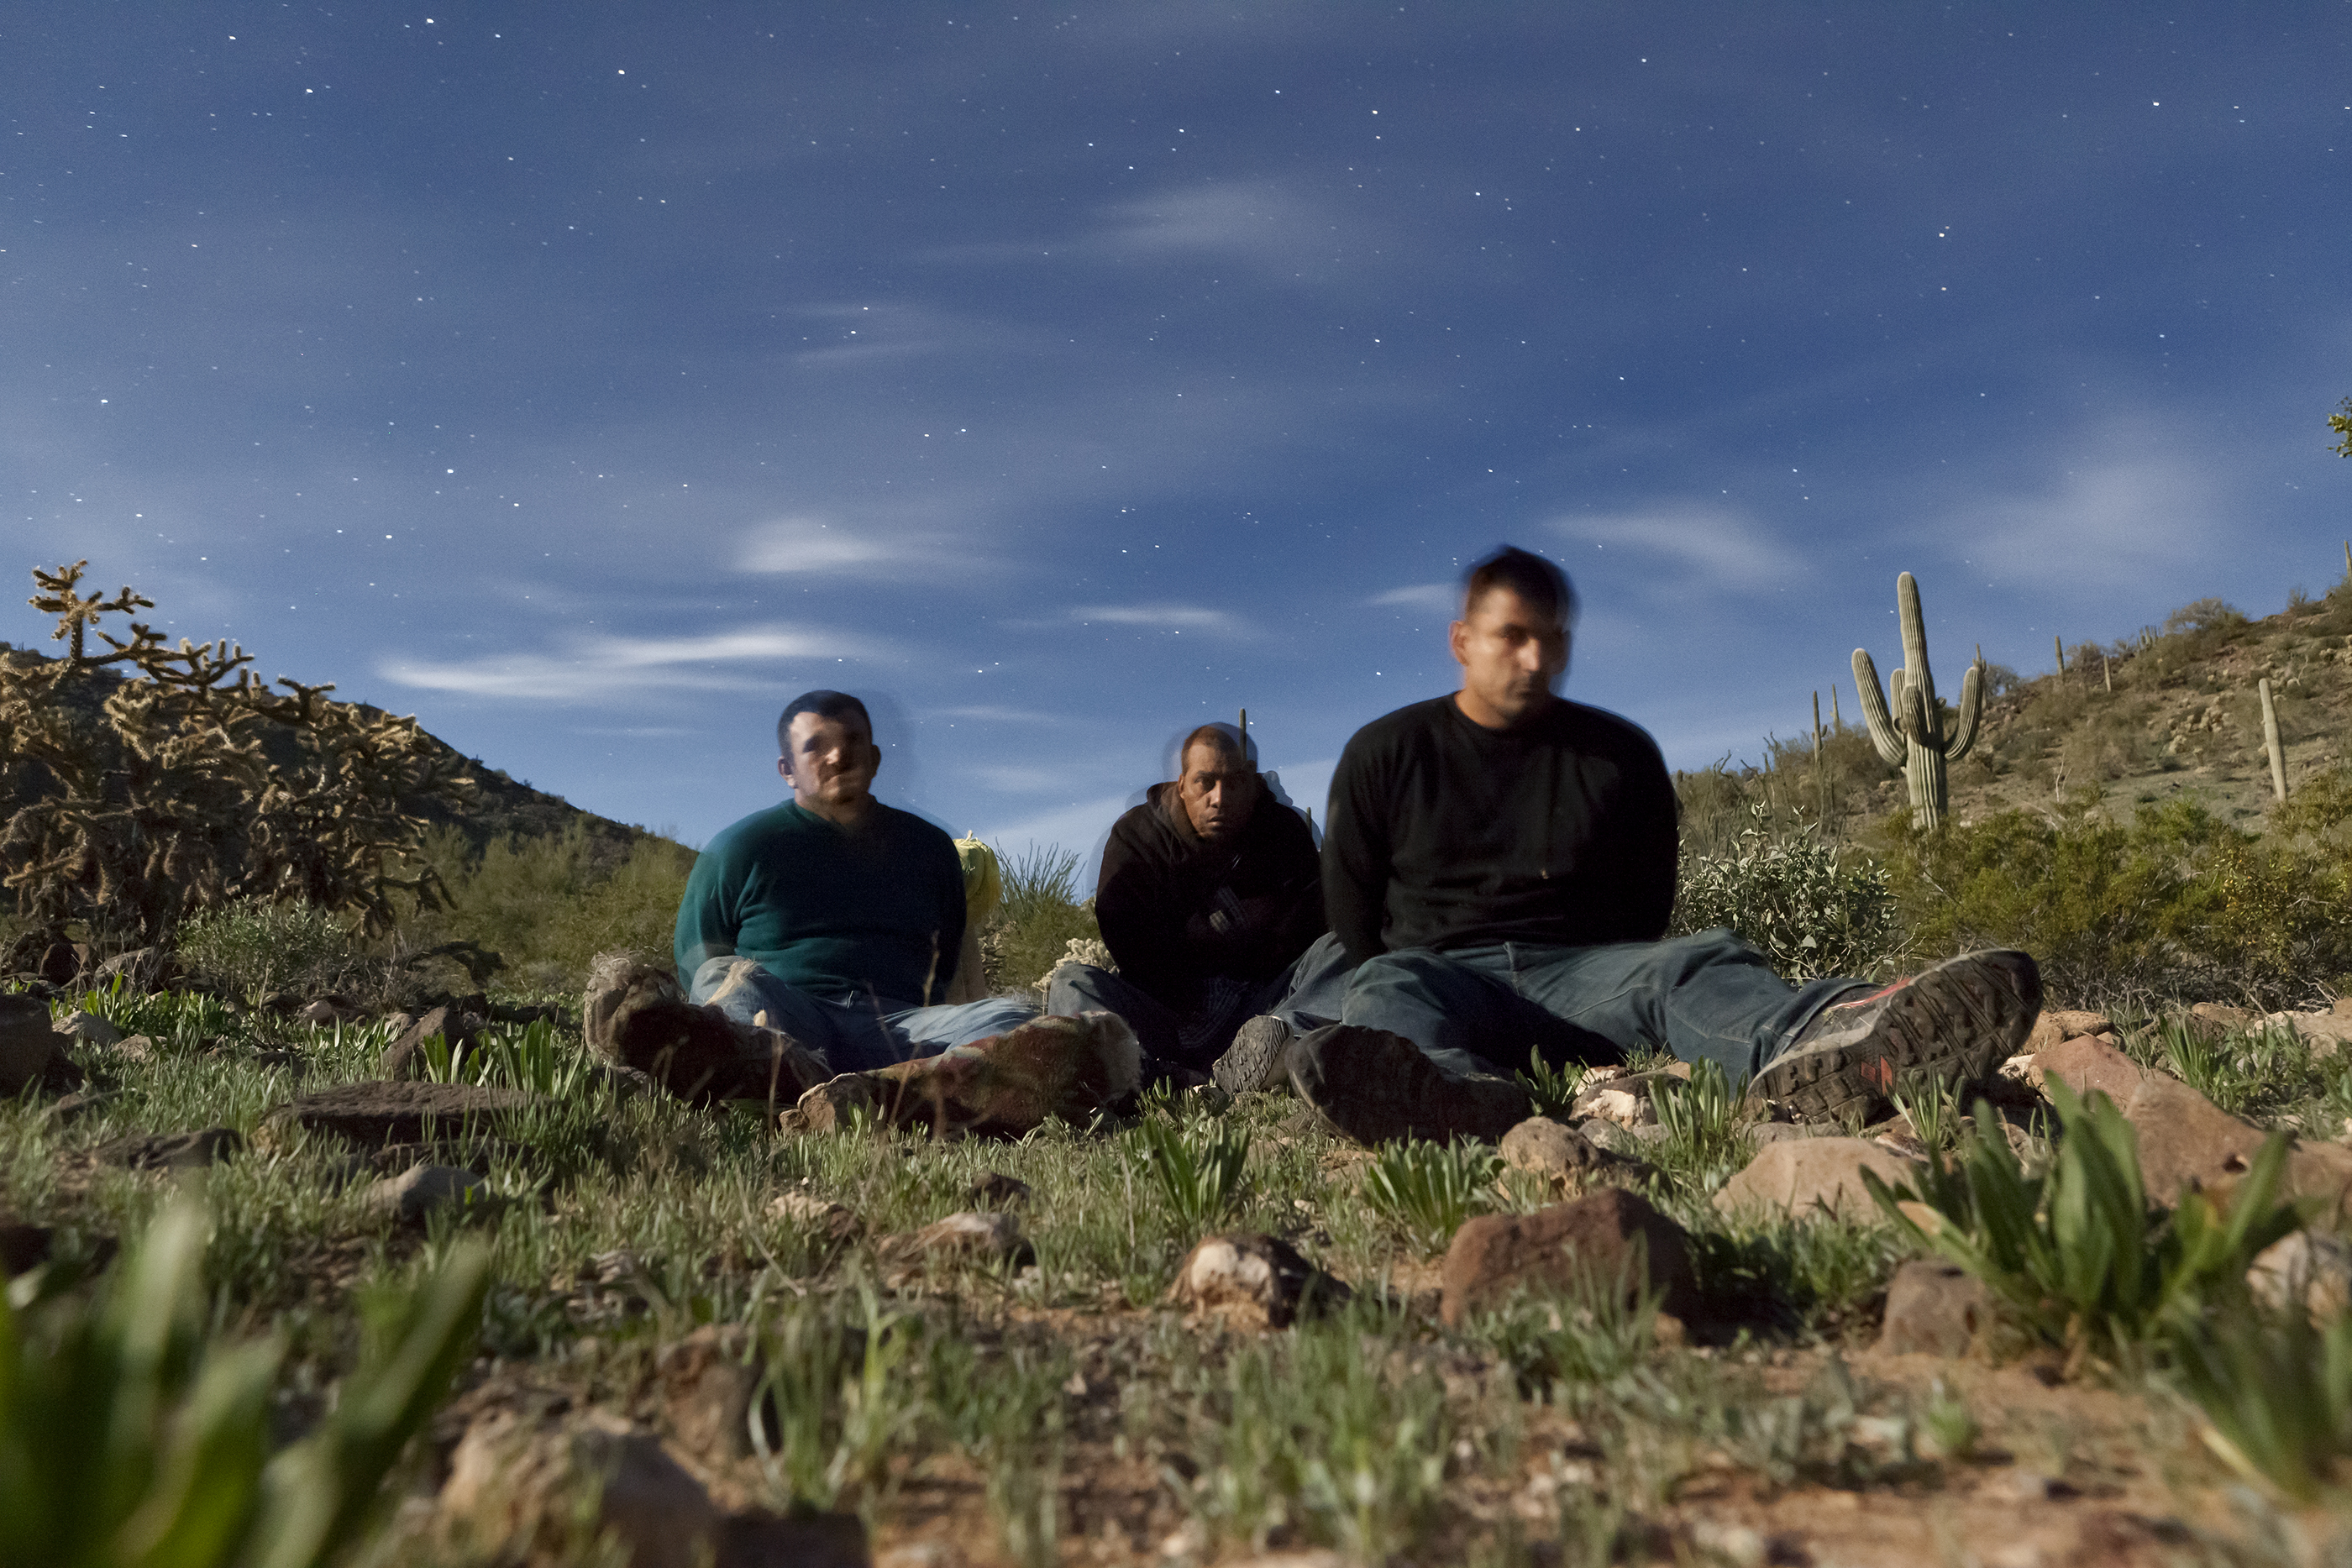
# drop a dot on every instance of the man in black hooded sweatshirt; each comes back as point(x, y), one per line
point(1211, 902)
point(1500, 865)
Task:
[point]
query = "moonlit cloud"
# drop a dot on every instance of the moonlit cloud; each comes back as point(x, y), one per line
point(2129, 522)
point(1162, 617)
point(813, 545)
point(1717, 546)
point(1435, 598)
point(596, 668)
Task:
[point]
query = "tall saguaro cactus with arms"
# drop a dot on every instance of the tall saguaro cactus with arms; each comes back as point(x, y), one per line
point(1912, 735)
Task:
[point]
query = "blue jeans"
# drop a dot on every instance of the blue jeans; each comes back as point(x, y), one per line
point(1305, 996)
point(1704, 998)
point(852, 1033)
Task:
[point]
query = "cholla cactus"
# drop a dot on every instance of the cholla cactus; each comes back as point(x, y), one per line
point(194, 783)
point(1912, 737)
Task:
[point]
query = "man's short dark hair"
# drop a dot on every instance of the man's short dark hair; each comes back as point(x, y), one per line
point(824, 704)
point(1223, 736)
point(1544, 588)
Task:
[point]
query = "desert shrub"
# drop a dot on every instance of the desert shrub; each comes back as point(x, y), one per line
point(2204, 615)
point(547, 905)
point(251, 948)
point(1810, 905)
point(192, 783)
point(1040, 916)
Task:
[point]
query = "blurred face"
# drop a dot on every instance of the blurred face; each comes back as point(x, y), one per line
point(830, 763)
point(1511, 656)
point(1218, 790)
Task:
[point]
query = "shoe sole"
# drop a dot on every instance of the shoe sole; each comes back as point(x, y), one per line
point(1247, 1065)
point(1377, 1088)
point(1958, 1021)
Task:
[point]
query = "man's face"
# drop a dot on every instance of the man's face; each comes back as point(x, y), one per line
point(1218, 790)
point(831, 761)
point(1511, 656)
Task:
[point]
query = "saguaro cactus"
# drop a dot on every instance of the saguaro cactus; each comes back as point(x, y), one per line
point(1912, 735)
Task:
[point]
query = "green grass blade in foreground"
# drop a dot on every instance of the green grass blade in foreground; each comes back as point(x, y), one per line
point(1552, 1089)
point(2277, 1401)
point(1197, 1171)
point(1425, 1191)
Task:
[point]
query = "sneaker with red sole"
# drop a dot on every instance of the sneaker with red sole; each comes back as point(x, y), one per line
point(1956, 1021)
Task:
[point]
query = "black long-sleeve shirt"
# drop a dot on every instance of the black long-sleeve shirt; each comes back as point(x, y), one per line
point(1175, 909)
point(1443, 833)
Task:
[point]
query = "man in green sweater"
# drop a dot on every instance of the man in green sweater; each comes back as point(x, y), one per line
point(832, 917)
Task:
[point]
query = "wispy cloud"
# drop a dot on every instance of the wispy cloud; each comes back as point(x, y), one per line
point(601, 667)
point(788, 545)
point(1435, 598)
point(2111, 522)
point(985, 713)
point(1720, 547)
point(1164, 617)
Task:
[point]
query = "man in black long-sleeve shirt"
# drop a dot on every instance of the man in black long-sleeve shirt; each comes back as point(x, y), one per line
point(1500, 865)
point(1211, 900)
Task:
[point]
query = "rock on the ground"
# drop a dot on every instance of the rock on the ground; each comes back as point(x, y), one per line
point(2310, 1266)
point(2326, 1033)
point(1934, 1308)
point(417, 1191)
point(404, 1057)
point(539, 1490)
point(969, 1238)
point(1253, 1281)
point(171, 1151)
point(132, 1048)
point(2220, 1018)
point(2186, 1140)
point(831, 1105)
point(1559, 1154)
point(29, 1047)
point(2056, 1024)
point(376, 1114)
point(810, 1214)
point(1810, 1176)
point(705, 1383)
point(2088, 1063)
point(1594, 1237)
point(88, 1027)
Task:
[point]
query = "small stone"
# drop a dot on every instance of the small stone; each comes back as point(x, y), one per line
point(1810, 1176)
point(134, 1047)
point(2085, 1064)
point(983, 1239)
point(1207, 1099)
point(831, 1105)
point(1495, 1255)
point(705, 1383)
point(2218, 1017)
point(171, 1151)
point(1738, 1544)
point(2323, 1033)
point(994, 1189)
point(376, 1114)
point(1253, 1281)
point(1934, 1308)
point(404, 1057)
point(2187, 1141)
point(520, 1486)
point(2312, 1268)
point(1622, 1106)
point(2056, 1024)
point(417, 1191)
point(810, 1214)
point(29, 1048)
point(319, 1015)
point(1559, 1154)
point(88, 1027)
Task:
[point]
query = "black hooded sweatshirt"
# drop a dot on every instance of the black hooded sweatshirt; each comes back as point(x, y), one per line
point(1175, 909)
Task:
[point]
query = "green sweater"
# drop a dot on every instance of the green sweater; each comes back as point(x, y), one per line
point(878, 912)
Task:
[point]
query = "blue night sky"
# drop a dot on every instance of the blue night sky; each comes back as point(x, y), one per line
point(588, 380)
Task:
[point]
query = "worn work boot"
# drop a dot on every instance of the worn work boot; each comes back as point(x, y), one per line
point(1003, 1086)
point(1378, 1087)
point(1259, 1057)
point(636, 1015)
point(1956, 1021)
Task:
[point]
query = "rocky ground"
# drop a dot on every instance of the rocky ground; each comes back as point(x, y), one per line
point(1205, 1332)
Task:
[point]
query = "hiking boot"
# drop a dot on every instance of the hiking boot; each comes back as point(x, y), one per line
point(1259, 1057)
point(1010, 1083)
point(1377, 1087)
point(1956, 1021)
point(636, 1015)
